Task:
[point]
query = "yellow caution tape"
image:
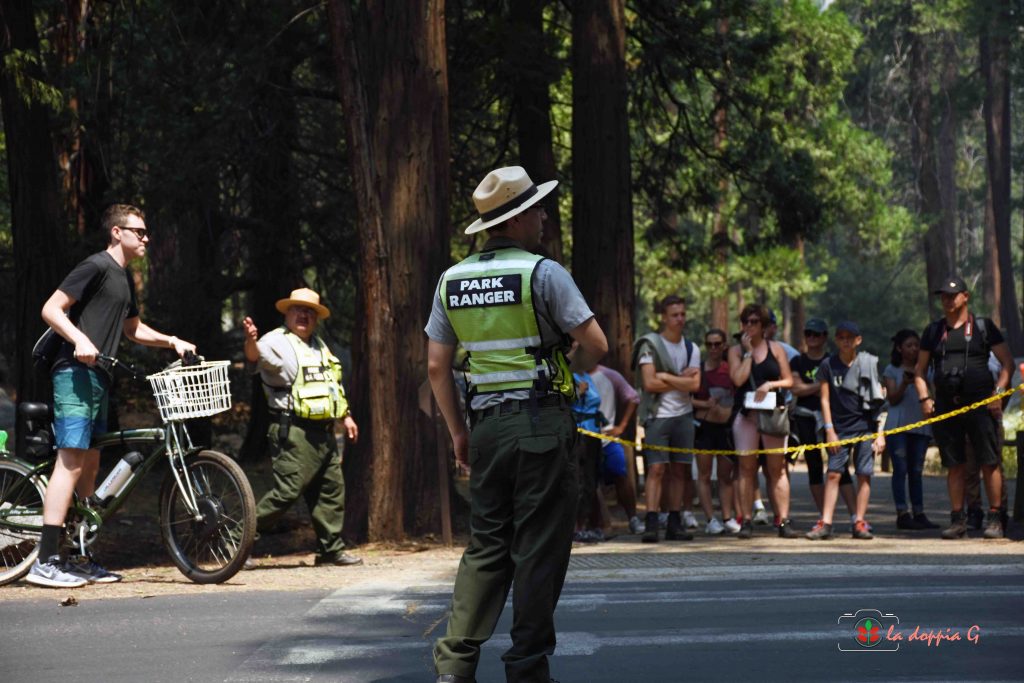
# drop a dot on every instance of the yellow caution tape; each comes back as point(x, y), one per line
point(799, 449)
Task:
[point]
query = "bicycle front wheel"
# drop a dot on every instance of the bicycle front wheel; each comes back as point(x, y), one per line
point(212, 546)
point(21, 519)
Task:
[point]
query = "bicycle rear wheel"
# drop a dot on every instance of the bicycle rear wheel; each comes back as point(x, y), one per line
point(214, 547)
point(21, 504)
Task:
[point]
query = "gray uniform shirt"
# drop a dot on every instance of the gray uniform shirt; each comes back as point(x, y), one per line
point(559, 304)
point(278, 367)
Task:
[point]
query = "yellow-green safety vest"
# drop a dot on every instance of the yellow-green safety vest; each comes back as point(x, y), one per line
point(489, 301)
point(316, 392)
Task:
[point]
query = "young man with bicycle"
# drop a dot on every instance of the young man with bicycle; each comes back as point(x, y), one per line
point(90, 310)
point(302, 382)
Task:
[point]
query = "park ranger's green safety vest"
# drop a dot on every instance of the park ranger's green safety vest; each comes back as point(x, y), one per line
point(489, 301)
point(316, 392)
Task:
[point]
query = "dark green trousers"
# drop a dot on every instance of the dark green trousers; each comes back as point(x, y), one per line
point(523, 502)
point(307, 466)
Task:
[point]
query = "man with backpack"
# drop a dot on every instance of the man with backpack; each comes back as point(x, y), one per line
point(957, 346)
point(668, 371)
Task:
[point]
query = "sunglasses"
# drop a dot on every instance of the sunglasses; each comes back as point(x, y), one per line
point(713, 345)
point(751, 321)
point(810, 333)
point(141, 233)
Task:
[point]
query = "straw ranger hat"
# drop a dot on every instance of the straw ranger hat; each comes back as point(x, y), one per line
point(504, 193)
point(304, 297)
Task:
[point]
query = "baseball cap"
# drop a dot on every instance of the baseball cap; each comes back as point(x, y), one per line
point(952, 285)
point(816, 325)
point(771, 317)
point(848, 326)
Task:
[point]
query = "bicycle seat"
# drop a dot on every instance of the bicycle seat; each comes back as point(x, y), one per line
point(35, 411)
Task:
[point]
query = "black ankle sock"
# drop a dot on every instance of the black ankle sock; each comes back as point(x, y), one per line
point(49, 542)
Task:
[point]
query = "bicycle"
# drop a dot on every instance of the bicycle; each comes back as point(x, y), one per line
point(207, 508)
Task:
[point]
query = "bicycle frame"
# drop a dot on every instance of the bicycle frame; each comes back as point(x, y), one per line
point(173, 440)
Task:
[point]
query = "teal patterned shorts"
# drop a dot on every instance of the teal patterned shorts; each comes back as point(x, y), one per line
point(79, 405)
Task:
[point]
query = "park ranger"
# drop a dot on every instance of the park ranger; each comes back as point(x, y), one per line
point(512, 311)
point(302, 382)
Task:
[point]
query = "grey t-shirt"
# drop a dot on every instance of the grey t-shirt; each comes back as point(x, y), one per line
point(558, 301)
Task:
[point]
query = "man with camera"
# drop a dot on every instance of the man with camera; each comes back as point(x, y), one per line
point(957, 346)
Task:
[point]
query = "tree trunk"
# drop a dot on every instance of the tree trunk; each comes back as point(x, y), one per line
point(937, 252)
point(995, 66)
point(38, 230)
point(720, 241)
point(533, 71)
point(394, 92)
point(947, 151)
point(602, 254)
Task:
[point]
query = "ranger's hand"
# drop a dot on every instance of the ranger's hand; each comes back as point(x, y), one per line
point(351, 429)
point(460, 442)
point(250, 329)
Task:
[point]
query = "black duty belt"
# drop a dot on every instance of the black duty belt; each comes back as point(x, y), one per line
point(303, 422)
point(514, 405)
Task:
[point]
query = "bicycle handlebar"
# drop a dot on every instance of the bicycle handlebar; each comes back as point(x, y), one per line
point(189, 359)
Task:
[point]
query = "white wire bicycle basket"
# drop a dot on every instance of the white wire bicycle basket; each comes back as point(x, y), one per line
point(186, 392)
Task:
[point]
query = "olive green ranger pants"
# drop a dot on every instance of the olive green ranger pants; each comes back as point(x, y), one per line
point(307, 465)
point(523, 494)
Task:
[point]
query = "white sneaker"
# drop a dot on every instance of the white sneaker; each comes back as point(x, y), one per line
point(732, 526)
point(636, 525)
point(760, 517)
point(689, 521)
point(52, 575)
point(714, 527)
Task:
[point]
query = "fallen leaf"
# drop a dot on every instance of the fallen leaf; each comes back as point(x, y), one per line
point(70, 601)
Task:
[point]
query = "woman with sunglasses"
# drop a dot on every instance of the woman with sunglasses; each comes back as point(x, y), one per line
point(759, 367)
point(713, 406)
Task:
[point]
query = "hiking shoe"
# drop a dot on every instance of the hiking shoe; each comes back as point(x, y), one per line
point(714, 527)
point(746, 530)
point(975, 518)
point(786, 529)
point(88, 569)
point(957, 527)
point(731, 525)
point(904, 520)
point(339, 560)
point(676, 531)
point(635, 525)
point(761, 517)
point(923, 522)
point(994, 525)
point(650, 528)
point(819, 532)
point(689, 521)
point(861, 531)
point(51, 574)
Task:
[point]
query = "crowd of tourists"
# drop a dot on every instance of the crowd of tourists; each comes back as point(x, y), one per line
point(752, 392)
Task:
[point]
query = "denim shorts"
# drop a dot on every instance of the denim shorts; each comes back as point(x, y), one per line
point(862, 455)
point(79, 405)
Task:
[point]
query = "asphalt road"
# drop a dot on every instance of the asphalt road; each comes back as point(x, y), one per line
point(623, 617)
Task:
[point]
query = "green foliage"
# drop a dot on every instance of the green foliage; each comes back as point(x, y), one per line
point(24, 67)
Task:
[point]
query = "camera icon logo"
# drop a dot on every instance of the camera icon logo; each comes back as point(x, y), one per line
point(867, 631)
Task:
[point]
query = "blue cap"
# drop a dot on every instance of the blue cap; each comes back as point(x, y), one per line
point(816, 325)
point(848, 326)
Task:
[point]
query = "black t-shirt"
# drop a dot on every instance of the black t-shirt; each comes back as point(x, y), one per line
point(806, 368)
point(847, 415)
point(104, 295)
point(952, 356)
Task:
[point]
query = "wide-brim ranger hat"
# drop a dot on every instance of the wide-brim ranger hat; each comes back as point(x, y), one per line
point(504, 193)
point(304, 297)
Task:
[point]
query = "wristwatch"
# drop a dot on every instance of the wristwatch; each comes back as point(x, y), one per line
point(746, 355)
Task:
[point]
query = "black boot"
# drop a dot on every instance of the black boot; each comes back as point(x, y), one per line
point(786, 529)
point(904, 520)
point(975, 518)
point(675, 530)
point(923, 521)
point(650, 528)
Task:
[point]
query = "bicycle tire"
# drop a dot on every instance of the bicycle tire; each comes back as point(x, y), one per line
point(21, 495)
point(213, 549)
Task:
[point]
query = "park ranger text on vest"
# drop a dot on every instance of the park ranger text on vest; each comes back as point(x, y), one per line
point(516, 314)
point(302, 382)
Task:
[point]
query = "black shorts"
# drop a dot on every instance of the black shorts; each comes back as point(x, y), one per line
point(979, 426)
